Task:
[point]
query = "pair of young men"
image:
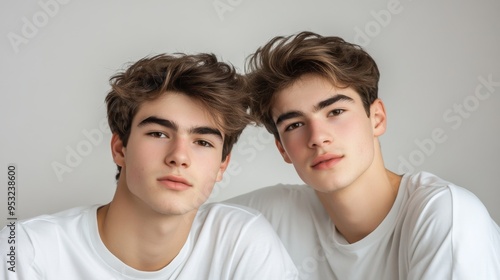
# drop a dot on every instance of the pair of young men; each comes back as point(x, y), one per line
point(174, 120)
point(173, 129)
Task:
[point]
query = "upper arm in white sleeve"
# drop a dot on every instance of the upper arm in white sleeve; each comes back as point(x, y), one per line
point(261, 250)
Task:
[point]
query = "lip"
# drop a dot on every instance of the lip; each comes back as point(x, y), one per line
point(325, 161)
point(176, 183)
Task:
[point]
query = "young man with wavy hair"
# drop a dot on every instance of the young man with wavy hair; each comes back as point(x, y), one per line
point(355, 219)
point(174, 120)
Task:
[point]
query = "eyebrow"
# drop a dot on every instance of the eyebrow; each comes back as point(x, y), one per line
point(331, 100)
point(172, 125)
point(288, 115)
point(206, 130)
point(321, 105)
point(155, 120)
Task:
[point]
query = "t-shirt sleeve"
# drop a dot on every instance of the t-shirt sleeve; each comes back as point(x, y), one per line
point(448, 234)
point(475, 237)
point(261, 255)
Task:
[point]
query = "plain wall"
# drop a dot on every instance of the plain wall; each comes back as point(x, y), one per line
point(440, 81)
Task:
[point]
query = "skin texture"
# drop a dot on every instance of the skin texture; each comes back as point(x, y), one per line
point(170, 165)
point(326, 134)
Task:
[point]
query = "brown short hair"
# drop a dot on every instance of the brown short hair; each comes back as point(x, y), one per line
point(216, 85)
point(283, 60)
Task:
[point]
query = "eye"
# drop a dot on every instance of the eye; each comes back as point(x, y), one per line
point(336, 112)
point(293, 126)
point(204, 143)
point(157, 134)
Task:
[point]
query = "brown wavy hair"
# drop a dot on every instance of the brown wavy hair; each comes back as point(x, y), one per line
point(283, 60)
point(215, 84)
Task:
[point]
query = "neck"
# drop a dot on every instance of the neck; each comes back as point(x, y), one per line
point(357, 210)
point(140, 237)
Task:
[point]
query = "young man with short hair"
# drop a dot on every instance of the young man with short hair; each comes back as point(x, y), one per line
point(355, 219)
point(174, 120)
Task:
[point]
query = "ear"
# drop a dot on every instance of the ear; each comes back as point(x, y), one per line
point(378, 117)
point(282, 151)
point(223, 166)
point(117, 150)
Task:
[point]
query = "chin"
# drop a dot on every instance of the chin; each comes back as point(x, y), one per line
point(172, 209)
point(328, 188)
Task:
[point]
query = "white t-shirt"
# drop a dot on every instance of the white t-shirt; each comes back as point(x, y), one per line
point(435, 230)
point(225, 242)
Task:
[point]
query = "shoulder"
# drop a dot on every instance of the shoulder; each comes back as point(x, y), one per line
point(430, 193)
point(57, 220)
point(224, 212)
point(241, 235)
point(47, 229)
point(227, 224)
point(275, 196)
point(295, 213)
point(436, 208)
point(242, 238)
point(234, 221)
point(280, 203)
point(450, 221)
point(40, 240)
point(227, 208)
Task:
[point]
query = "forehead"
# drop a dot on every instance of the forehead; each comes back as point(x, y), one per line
point(178, 107)
point(306, 92)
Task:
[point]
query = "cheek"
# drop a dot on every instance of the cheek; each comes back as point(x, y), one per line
point(365, 141)
point(134, 165)
point(138, 159)
point(291, 150)
point(208, 178)
point(294, 142)
point(207, 165)
point(358, 128)
point(149, 151)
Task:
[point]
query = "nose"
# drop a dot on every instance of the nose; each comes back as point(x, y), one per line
point(178, 153)
point(319, 134)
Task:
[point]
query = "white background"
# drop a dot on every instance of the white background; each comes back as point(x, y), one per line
point(56, 59)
